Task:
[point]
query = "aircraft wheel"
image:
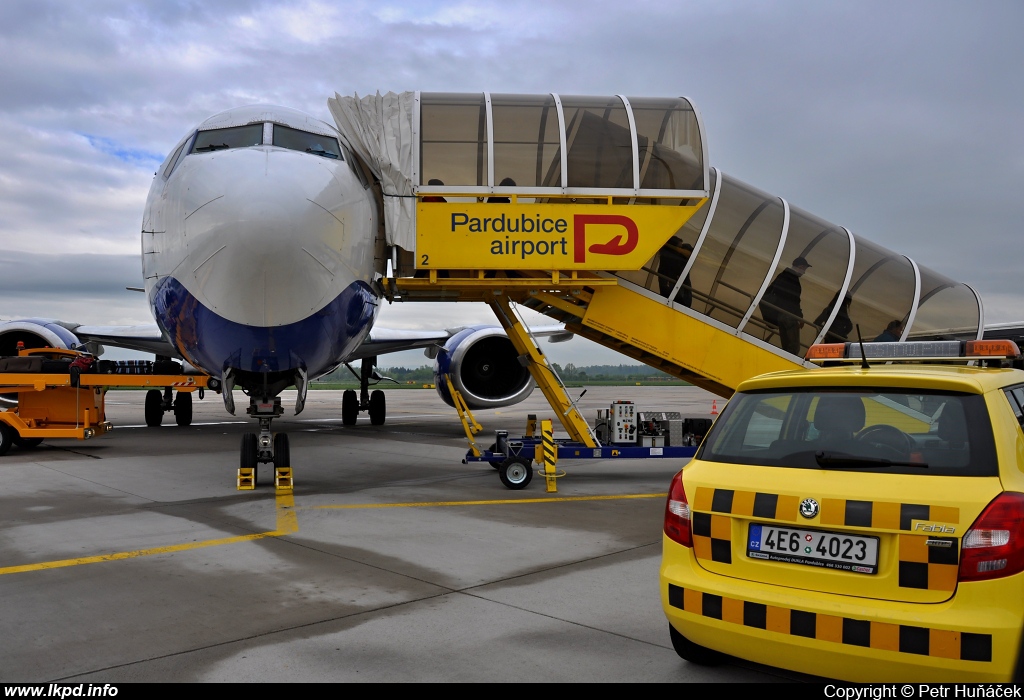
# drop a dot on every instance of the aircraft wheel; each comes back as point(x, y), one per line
point(249, 453)
point(515, 473)
point(154, 408)
point(378, 408)
point(183, 408)
point(349, 408)
point(7, 434)
point(26, 443)
point(282, 453)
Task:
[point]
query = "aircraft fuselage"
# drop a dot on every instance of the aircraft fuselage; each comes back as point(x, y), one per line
point(258, 246)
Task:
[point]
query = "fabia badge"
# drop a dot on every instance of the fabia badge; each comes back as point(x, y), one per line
point(808, 508)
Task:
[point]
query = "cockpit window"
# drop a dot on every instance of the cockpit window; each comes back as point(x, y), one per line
point(173, 160)
point(233, 137)
point(307, 142)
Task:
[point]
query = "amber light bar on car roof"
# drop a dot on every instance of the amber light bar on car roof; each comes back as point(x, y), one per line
point(932, 350)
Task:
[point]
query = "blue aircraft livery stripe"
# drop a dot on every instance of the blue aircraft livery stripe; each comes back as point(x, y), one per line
point(214, 343)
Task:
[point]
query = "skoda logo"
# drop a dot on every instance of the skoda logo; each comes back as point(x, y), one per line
point(808, 508)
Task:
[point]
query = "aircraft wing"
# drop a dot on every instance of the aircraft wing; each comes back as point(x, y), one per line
point(386, 340)
point(1005, 331)
point(62, 334)
point(147, 338)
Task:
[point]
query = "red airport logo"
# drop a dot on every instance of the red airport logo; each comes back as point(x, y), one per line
point(614, 246)
point(552, 239)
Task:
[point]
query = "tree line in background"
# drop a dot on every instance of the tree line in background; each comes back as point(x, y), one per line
point(568, 373)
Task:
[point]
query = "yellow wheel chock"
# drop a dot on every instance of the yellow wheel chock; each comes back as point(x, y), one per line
point(283, 478)
point(246, 479)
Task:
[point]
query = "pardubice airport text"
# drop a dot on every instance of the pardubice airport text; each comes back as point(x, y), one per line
point(521, 224)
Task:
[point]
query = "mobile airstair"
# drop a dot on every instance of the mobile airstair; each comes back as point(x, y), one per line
point(603, 213)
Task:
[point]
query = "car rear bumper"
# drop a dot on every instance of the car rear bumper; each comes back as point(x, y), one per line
point(972, 637)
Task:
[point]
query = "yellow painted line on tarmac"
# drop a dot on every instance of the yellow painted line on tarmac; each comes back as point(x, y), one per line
point(510, 501)
point(287, 523)
point(287, 519)
point(117, 556)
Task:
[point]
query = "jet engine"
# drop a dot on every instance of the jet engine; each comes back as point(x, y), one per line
point(484, 367)
point(34, 333)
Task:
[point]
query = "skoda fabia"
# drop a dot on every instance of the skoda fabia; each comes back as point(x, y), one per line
point(860, 522)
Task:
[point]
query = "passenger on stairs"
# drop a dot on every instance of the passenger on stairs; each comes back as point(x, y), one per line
point(671, 261)
point(507, 182)
point(842, 325)
point(781, 305)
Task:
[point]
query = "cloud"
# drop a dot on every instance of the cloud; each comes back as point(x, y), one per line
point(900, 121)
point(63, 275)
point(60, 192)
point(131, 156)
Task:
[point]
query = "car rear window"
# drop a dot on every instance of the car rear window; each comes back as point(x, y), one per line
point(886, 430)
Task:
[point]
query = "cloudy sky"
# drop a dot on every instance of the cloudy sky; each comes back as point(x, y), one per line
point(900, 120)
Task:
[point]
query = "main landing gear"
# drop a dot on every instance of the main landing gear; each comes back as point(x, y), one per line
point(157, 403)
point(373, 403)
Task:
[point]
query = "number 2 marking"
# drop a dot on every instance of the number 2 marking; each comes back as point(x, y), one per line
point(425, 260)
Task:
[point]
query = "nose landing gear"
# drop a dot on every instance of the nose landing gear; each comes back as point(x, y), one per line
point(266, 447)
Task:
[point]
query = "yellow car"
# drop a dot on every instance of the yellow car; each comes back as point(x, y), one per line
point(863, 522)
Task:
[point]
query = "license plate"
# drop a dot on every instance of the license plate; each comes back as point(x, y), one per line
point(828, 550)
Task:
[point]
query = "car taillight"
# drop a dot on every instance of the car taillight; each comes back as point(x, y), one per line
point(677, 513)
point(994, 545)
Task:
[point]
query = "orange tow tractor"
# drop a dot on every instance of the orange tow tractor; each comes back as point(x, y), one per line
point(57, 399)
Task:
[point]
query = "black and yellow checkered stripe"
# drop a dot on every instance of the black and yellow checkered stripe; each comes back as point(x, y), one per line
point(908, 639)
point(548, 442)
point(934, 567)
point(882, 515)
point(712, 537)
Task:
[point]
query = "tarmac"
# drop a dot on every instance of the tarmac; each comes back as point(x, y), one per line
point(133, 557)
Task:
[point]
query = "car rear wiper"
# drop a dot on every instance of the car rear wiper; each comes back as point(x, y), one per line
point(211, 147)
point(828, 458)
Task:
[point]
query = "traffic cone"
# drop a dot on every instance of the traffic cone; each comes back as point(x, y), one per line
point(714, 407)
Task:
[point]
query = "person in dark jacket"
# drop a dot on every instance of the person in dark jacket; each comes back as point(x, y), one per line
point(781, 305)
point(842, 325)
point(891, 334)
point(507, 182)
point(434, 182)
point(671, 261)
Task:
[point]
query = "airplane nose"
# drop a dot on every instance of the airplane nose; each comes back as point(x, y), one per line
point(267, 252)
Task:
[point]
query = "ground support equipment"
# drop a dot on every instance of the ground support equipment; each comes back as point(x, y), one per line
point(547, 455)
point(542, 372)
point(71, 405)
point(469, 422)
point(513, 457)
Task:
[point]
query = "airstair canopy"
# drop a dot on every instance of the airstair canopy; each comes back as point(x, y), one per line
point(724, 263)
point(533, 148)
point(602, 212)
